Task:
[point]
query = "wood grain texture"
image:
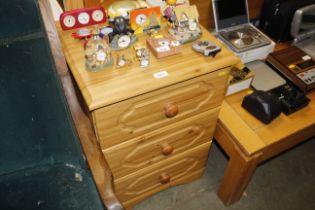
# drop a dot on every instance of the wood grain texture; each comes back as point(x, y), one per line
point(280, 128)
point(147, 149)
point(139, 115)
point(183, 180)
point(112, 85)
point(248, 142)
point(73, 4)
point(99, 167)
point(239, 129)
point(145, 182)
point(237, 176)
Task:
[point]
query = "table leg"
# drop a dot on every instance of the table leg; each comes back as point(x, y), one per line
point(237, 175)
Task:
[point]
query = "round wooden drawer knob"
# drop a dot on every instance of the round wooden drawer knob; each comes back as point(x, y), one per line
point(167, 149)
point(164, 178)
point(171, 110)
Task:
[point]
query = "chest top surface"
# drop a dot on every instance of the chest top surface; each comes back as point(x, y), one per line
point(112, 85)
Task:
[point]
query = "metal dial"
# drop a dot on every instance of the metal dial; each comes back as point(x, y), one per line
point(141, 19)
point(97, 15)
point(123, 41)
point(83, 18)
point(69, 21)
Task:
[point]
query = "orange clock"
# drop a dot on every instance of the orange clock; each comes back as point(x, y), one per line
point(142, 20)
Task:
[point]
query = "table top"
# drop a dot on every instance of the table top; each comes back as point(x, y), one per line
point(251, 134)
point(112, 85)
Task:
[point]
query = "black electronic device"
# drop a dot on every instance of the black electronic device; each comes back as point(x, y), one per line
point(292, 98)
point(264, 106)
point(295, 65)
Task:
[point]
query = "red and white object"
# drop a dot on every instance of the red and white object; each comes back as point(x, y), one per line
point(82, 17)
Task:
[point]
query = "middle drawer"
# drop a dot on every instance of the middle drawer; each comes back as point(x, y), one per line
point(161, 144)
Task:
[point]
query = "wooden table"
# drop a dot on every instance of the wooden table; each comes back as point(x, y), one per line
point(248, 142)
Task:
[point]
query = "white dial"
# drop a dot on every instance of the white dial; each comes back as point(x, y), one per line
point(141, 19)
point(69, 21)
point(84, 18)
point(192, 25)
point(97, 15)
point(123, 41)
point(164, 42)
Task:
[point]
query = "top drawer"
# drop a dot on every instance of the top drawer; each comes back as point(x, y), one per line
point(136, 116)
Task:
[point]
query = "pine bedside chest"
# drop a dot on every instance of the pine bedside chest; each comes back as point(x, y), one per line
point(154, 125)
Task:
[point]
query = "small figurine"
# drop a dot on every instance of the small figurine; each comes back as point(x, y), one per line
point(143, 55)
point(82, 33)
point(97, 53)
point(122, 36)
point(123, 59)
point(185, 27)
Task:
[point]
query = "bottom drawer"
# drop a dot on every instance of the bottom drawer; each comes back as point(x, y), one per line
point(181, 169)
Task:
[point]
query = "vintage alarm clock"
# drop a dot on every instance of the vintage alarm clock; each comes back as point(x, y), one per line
point(82, 17)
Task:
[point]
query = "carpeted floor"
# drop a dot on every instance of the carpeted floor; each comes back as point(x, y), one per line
point(286, 182)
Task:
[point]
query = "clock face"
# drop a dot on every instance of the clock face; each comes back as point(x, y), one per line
point(192, 26)
point(83, 18)
point(69, 21)
point(98, 15)
point(164, 42)
point(141, 19)
point(123, 41)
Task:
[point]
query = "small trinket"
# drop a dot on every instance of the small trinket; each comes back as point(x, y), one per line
point(143, 55)
point(122, 36)
point(123, 59)
point(163, 45)
point(207, 48)
point(185, 27)
point(82, 33)
point(97, 53)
